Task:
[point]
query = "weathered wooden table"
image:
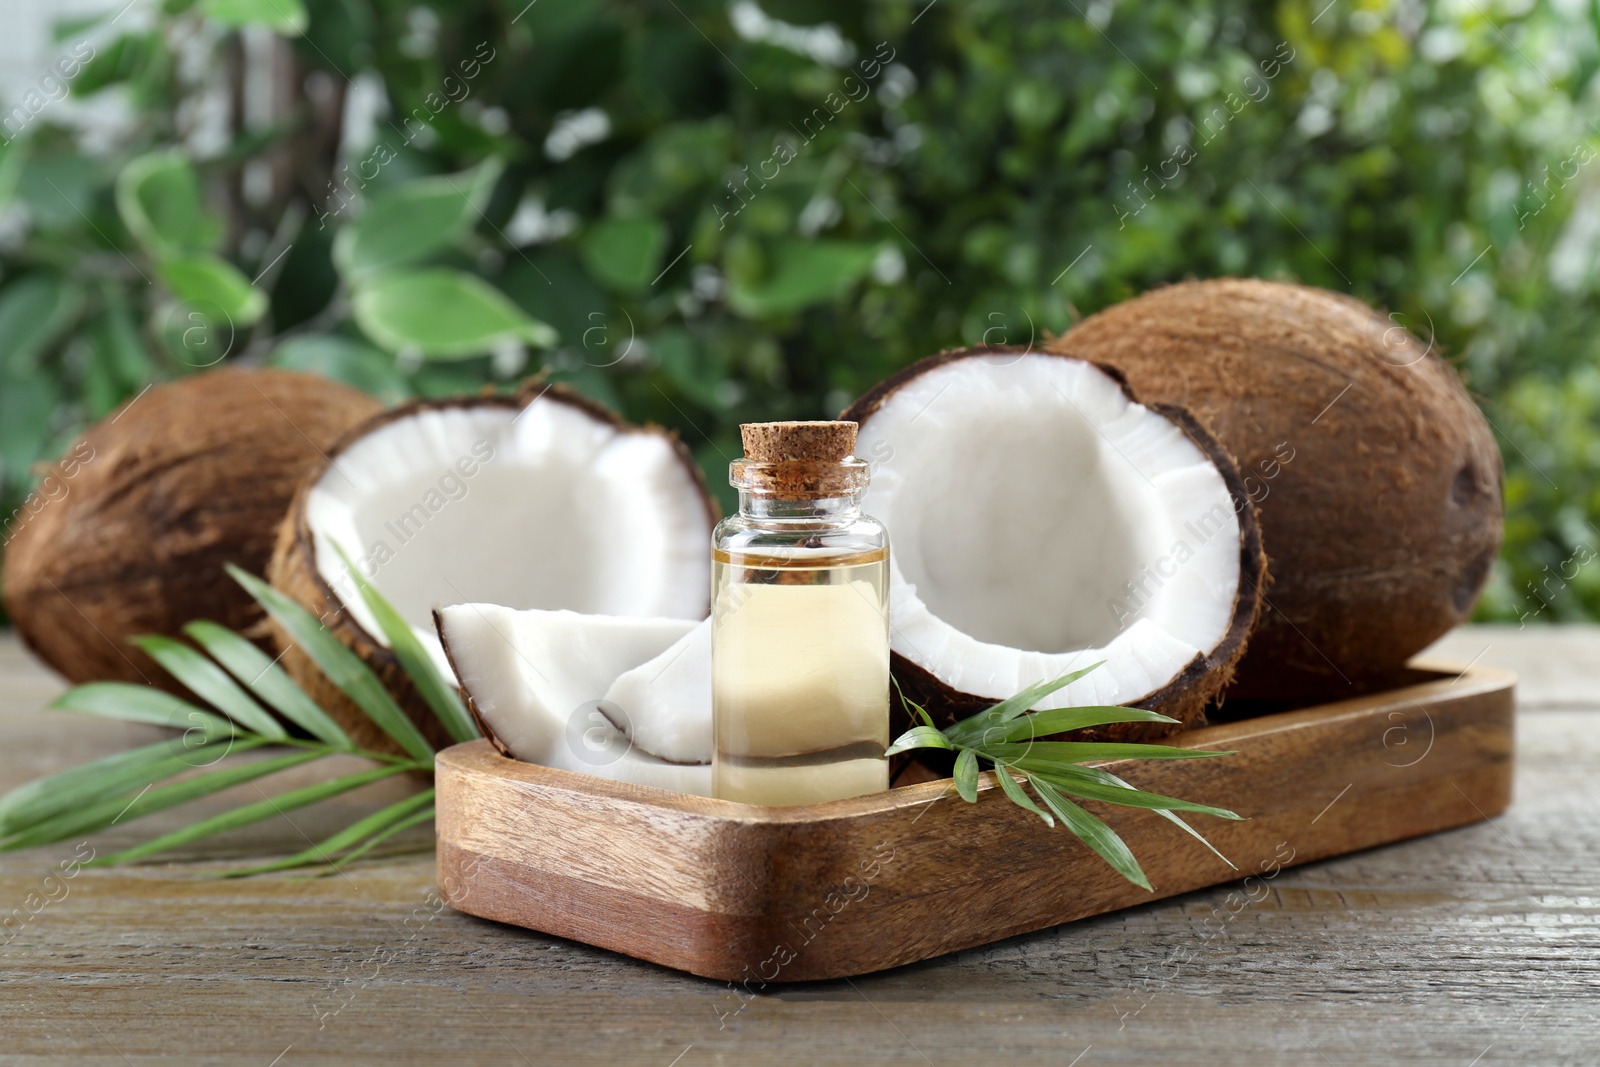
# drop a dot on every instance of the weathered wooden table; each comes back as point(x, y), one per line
point(1475, 946)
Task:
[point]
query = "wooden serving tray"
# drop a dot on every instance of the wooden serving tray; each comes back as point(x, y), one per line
point(756, 895)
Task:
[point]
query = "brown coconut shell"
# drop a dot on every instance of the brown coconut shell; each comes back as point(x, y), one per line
point(293, 571)
point(1190, 692)
point(154, 500)
point(1382, 527)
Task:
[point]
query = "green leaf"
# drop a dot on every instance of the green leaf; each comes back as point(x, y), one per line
point(380, 837)
point(34, 312)
point(918, 737)
point(1091, 783)
point(1013, 706)
point(213, 287)
point(1081, 751)
point(1094, 833)
point(327, 850)
point(45, 798)
point(141, 703)
point(344, 360)
point(158, 196)
point(13, 157)
point(209, 682)
point(624, 254)
point(251, 813)
point(1002, 775)
point(1177, 820)
point(27, 407)
point(439, 694)
point(807, 272)
point(268, 681)
point(342, 667)
point(412, 221)
point(443, 314)
point(287, 17)
point(986, 730)
point(120, 809)
point(966, 775)
point(916, 710)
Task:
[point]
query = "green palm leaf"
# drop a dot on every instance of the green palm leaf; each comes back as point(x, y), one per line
point(206, 680)
point(1005, 733)
point(117, 775)
point(328, 849)
point(234, 677)
point(268, 681)
point(250, 813)
point(142, 703)
point(415, 819)
point(439, 694)
point(1092, 832)
point(147, 801)
point(342, 667)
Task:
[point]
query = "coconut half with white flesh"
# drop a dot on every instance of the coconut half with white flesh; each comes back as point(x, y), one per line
point(544, 500)
point(621, 698)
point(1042, 519)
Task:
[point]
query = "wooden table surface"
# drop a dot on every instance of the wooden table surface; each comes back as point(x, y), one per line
point(1478, 946)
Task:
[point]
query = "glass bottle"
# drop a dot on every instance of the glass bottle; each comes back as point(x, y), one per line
point(800, 623)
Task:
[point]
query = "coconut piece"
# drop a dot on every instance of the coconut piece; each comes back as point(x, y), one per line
point(137, 521)
point(545, 500)
point(666, 701)
point(534, 679)
point(1378, 480)
point(1043, 519)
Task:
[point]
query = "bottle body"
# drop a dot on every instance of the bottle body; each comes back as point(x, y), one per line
point(800, 652)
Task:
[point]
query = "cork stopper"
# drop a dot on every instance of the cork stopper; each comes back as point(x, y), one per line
point(787, 442)
point(798, 460)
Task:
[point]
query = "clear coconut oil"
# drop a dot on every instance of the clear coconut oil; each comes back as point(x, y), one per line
point(800, 635)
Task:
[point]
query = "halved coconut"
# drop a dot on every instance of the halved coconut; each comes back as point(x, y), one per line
point(623, 698)
point(1041, 519)
point(546, 500)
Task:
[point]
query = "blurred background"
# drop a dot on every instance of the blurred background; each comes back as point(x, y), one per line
point(706, 213)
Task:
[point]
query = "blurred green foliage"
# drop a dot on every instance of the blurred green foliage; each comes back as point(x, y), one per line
point(704, 213)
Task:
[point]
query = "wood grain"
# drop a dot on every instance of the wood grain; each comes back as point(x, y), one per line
point(1477, 942)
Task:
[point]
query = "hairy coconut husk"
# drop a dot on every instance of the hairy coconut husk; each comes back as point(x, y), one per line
point(1187, 696)
point(1378, 480)
point(152, 501)
point(293, 571)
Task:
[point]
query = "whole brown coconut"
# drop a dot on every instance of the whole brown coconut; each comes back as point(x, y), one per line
point(1377, 479)
point(152, 501)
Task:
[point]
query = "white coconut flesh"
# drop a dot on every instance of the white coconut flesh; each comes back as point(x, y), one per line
point(546, 506)
point(1041, 521)
point(621, 698)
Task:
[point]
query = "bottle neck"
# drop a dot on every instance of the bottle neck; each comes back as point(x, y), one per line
point(762, 509)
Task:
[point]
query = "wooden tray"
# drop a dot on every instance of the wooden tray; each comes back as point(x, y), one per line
point(757, 895)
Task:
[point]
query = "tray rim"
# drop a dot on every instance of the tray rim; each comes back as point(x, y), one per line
point(1455, 680)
